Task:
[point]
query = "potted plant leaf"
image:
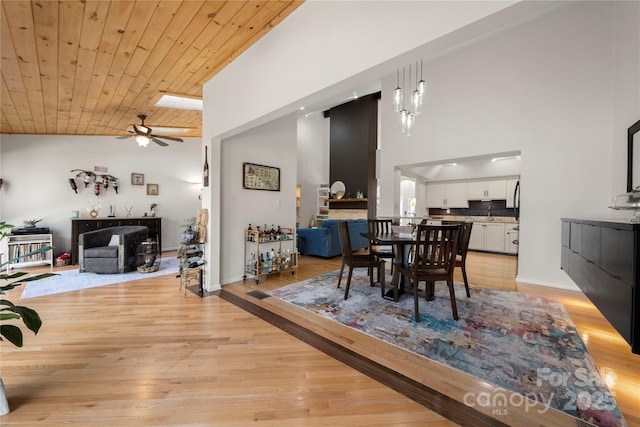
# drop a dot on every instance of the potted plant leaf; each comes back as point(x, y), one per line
point(30, 223)
point(16, 315)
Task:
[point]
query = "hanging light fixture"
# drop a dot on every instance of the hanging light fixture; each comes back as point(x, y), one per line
point(142, 140)
point(415, 98)
point(397, 94)
point(422, 85)
point(408, 117)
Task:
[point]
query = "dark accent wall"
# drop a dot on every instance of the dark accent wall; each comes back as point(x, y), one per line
point(353, 141)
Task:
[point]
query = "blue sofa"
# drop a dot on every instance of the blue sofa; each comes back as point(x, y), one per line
point(324, 241)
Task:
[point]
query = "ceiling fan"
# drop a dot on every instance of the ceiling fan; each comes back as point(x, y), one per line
point(143, 135)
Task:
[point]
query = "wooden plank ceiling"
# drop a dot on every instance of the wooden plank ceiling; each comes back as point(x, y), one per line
point(82, 67)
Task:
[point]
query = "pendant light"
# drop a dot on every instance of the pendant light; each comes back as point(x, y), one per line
point(397, 95)
point(415, 97)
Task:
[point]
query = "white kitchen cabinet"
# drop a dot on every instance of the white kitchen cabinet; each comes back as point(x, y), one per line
point(487, 236)
point(511, 187)
point(447, 195)
point(511, 238)
point(487, 189)
point(436, 194)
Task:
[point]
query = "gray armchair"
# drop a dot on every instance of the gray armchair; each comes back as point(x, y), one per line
point(110, 250)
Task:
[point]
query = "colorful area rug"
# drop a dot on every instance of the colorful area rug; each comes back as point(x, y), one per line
point(73, 280)
point(519, 342)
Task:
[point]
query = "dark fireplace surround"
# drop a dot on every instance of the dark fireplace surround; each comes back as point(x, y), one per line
point(353, 139)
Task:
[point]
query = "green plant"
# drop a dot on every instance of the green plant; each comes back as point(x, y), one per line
point(31, 222)
point(189, 222)
point(8, 310)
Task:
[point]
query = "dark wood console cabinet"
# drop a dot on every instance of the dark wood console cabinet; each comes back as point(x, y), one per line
point(79, 226)
point(601, 257)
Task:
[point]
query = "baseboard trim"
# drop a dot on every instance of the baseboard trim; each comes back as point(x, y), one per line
point(449, 408)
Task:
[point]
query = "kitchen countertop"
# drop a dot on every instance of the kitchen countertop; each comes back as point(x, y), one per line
point(498, 219)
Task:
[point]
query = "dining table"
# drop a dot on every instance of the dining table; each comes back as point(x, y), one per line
point(402, 242)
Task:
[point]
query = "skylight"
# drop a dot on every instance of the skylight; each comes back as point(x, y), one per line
point(181, 102)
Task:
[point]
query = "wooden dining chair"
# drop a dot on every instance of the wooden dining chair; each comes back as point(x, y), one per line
point(434, 260)
point(352, 260)
point(463, 247)
point(381, 226)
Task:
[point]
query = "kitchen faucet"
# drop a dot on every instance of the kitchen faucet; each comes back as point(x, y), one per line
point(489, 212)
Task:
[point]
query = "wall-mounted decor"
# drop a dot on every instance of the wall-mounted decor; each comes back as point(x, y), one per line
point(260, 177)
point(137, 179)
point(152, 189)
point(205, 172)
point(633, 157)
point(97, 181)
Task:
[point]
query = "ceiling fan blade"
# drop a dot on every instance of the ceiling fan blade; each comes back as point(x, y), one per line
point(124, 136)
point(160, 143)
point(170, 138)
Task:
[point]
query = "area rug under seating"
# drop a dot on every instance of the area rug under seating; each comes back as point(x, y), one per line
point(73, 280)
point(522, 343)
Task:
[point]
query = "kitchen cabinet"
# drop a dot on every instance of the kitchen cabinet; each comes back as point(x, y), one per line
point(487, 189)
point(450, 194)
point(601, 257)
point(511, 242)
point(487, 236)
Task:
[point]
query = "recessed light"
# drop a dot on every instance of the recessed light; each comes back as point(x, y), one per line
point(181, 102)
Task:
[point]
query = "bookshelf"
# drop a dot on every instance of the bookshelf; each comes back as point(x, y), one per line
point(18, 245)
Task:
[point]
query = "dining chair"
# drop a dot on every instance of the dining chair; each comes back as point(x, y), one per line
point(356, 260)
point(381, 226)
point(434, 260)
point(463, 247)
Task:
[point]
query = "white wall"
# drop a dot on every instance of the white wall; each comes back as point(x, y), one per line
point(561, 86)
point(36, 170)
point(301, 55)
point(313, 161)
point(300, 63)
point(272, 144)
point(546, 88)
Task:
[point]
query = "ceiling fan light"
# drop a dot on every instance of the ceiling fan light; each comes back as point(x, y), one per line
point(142, 140)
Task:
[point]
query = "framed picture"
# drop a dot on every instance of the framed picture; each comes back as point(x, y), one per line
point(152, 189)
point(260, 177)
point(137, 179)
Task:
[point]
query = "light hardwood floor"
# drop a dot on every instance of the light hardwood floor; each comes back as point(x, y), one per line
point(142, 353)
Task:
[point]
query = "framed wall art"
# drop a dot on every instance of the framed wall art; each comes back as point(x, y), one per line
point(137, 179)
point(260, 177)
point(152, 189)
